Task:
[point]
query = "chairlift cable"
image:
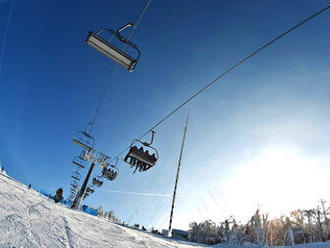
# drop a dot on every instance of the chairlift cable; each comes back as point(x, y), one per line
point(139, 19)
point(227, 72)
point(106, 86)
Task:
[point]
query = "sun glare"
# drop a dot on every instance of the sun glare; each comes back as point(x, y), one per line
point(278, 181)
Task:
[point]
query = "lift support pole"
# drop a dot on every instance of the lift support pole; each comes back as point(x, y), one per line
point(177, 176)
point(81, 192)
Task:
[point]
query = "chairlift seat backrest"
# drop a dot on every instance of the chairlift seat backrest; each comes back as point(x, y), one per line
point(84, 139)
point(75, 186)
point(76, 175)
point(142, 156)
point(90, 190)
point(78, 164)
point(122, 58)
point(97, 182)
point(112, 175)
point(75, 178)
point(83, 145)
point(85, 156)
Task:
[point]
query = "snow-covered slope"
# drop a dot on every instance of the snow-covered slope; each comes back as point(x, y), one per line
point(27, 219)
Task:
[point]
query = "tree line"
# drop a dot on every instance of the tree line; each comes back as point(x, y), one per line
point(107, 215)
point(299, 227)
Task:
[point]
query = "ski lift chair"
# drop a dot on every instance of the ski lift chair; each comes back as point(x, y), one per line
point(114, 53)
point(110, 173)
point(141, 158)
point(85, 155)
point(80, 160)
point(114, 172)
point(76, 176)
point(97, 181)
point(90, 190)
point(102, 160)
point(74, 186)
point(70, 197)
point(84, 139)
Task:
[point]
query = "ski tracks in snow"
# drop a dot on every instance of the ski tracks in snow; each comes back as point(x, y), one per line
point(68, 233)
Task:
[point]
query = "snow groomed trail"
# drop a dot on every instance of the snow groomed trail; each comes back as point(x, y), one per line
point(28, 219)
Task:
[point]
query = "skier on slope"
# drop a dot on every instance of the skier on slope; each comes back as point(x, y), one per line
point(58, 197)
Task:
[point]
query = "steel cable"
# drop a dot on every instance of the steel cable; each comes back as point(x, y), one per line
point(226, 72)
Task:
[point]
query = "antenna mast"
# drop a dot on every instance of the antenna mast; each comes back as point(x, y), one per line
point(177, 175)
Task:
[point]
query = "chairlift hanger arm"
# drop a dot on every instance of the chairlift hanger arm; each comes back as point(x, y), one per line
point(115, 32)
point(151, 141)
point(89, 126)
point(124, 27)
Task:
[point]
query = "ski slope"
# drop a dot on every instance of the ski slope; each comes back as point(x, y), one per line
point(28, 219)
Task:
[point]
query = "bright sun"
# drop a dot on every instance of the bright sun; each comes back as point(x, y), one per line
point(278, 180)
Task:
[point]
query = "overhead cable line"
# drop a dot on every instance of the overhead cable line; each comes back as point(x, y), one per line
point(106, 86)
point(227, 72)
point(84, 138)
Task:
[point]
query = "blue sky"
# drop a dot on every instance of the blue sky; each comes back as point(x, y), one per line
point(272, 111)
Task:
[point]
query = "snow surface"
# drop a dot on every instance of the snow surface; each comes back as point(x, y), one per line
point(2, 171)
point(28, 219)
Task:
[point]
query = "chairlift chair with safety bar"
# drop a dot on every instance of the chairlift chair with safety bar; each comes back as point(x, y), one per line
point(90, 190)
point(74, 185)
point(76, 175)
point(141, 158)
point(97, 181)
point(85, 155)
point(80, 160)
point(102, 160)
point(114, 171)
point(72, 191)
point(84, 139)
point(71, 196)
point(110, 172)
point(119, 56)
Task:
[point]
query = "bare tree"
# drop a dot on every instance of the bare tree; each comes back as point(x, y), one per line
point(326, 212)
point(297, 218)
point(260, 223)
point(288, 235)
